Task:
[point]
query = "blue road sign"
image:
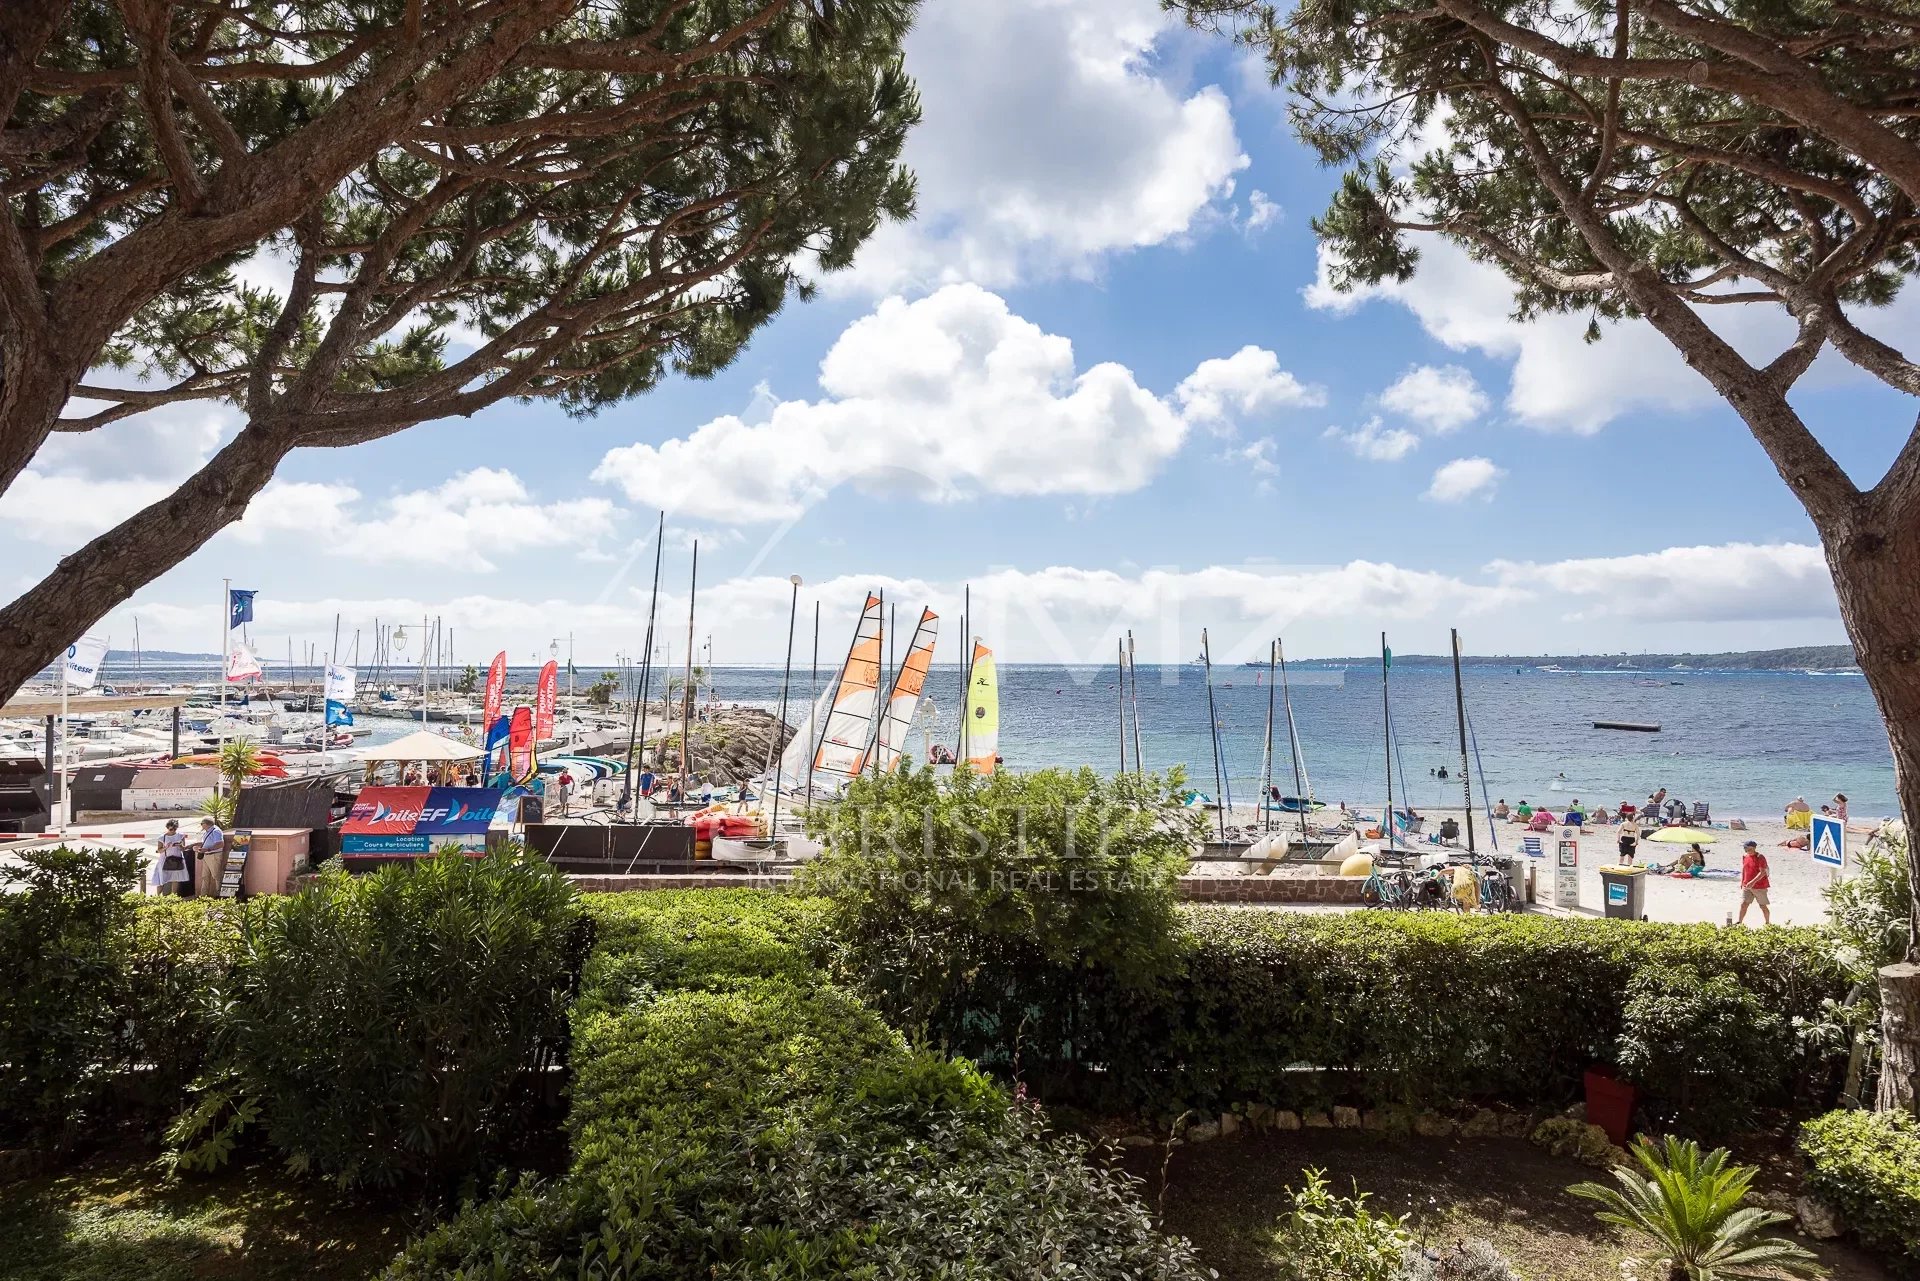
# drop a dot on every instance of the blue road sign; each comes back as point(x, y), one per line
point(1829, 841)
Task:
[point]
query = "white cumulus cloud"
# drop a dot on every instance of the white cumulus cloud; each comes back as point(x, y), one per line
point(1238, 386)
point(1050, 138)
point(944, 398)
point(1376, 442)
point(1750, 582)
point(1465, 478)
point(1441, 398)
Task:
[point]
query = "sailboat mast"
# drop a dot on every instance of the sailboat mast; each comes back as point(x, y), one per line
point(786, 678)
point(1460, 712)
point(1302, 792)
point(966, 665)
point(686, 693)
point(1213, 732)
point(1120, 665)
point(1133, 693)
point(1386, 733)
point(813, 696)
point(1266, 759)
point(637, 724)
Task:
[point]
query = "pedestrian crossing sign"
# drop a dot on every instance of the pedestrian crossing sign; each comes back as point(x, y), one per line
point(1828, 841)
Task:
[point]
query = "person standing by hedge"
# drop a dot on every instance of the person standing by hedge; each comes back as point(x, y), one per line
point(1754, 882)
point(170, 872)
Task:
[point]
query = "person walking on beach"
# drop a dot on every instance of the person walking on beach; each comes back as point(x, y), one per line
point(1754, 882)
point(1629, 845)
point(564, 794)
point(1840, 807)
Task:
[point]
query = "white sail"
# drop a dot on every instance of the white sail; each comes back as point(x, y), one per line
point(793, 761)
point(907, 685)
point(847, 741)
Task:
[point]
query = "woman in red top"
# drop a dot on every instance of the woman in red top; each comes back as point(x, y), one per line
point(1754, 882)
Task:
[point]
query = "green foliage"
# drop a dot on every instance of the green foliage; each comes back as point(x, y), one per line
point(387, 1028)
point(239, 761)
point(1870, 909)
point(63, 943)
point(736, 1115)
point(1328, 1237)
point(469, 680)
point(1421, 1009)
point(1690, 1208)
point(1866, 1165)
point(1706, 1046)
point(600, 693)
point(1577, 1140)
point(1471, 1260)
point(984, 911)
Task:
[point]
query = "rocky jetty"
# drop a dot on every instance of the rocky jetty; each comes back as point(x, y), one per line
point(731, 745)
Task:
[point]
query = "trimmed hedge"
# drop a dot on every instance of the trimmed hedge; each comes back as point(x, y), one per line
point(735, 1114)
point(109, 1001)
point(1866, 1165)
point(1409, 1008)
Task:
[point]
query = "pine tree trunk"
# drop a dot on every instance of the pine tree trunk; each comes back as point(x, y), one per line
point(1876, 572)
point(1900, 1025)
point(38, 626)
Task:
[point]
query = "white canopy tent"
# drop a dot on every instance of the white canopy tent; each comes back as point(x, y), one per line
point(422, 746)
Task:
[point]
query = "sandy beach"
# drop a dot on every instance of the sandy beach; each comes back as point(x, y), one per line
point(1797, 879)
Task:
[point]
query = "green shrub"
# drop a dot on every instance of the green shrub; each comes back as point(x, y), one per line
point(178, 953)
point(737, 1115)
point(980, 911)
point(1329, 1237)
point(1690, 1209)
point(1866, 1165)
point(390, 1028)
point(1705, 1048)
point(1420, 1009)
point(1470, 1260)
point(64, 917)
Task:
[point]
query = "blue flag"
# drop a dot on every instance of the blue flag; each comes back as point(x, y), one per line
point(338, 713)
point(239, 607)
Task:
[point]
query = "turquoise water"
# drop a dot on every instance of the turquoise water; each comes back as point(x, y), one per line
point(1745, 742)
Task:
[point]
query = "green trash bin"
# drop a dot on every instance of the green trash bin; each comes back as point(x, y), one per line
point(1623, 890)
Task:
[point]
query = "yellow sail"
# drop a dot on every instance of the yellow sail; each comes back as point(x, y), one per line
point(898, 717)
point(983, 712)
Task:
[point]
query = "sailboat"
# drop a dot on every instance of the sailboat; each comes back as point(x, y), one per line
point(981, 717)
point(905, 698)
point(847, 736)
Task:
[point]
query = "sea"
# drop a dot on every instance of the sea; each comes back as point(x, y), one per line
point(1745, 742)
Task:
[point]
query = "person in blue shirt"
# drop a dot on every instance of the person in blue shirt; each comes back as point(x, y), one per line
point(646, 782)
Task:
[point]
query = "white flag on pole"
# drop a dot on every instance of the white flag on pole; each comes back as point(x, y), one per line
point(83, 661)
point(241, 664)
point(340, 684)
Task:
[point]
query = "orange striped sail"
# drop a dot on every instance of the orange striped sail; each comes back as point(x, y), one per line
point(982, 712)
point(898, 718)
point(848, 736)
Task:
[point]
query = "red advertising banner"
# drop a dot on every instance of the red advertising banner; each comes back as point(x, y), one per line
point(520, 760)
point(496, 690)
point(543, 700)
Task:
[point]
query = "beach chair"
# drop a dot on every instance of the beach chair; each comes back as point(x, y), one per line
point(1530, 846)
point(1700, 818)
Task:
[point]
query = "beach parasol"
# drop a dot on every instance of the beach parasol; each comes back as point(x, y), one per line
point(1684, 836)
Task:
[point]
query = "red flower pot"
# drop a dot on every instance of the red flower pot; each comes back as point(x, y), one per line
point(1610, 1104)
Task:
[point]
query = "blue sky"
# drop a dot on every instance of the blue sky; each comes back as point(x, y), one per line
point(1015, 392)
